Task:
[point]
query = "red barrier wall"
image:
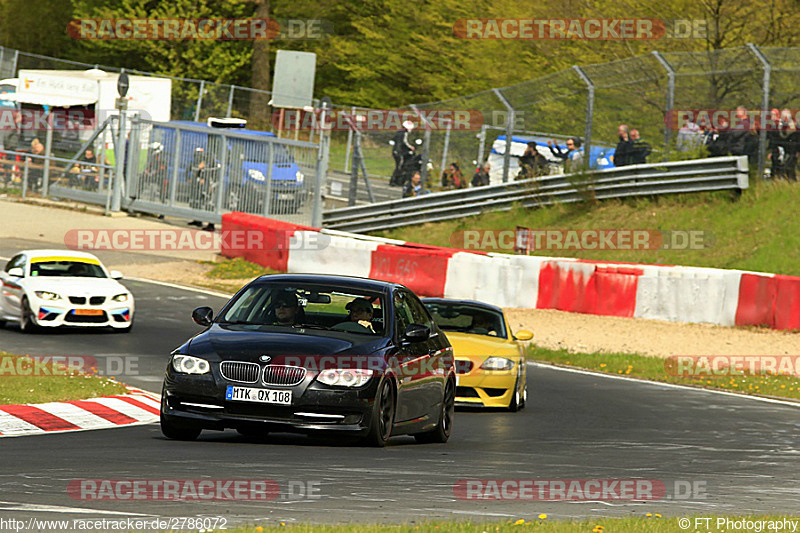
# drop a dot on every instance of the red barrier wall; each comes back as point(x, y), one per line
point(423, 270)
point(600, 290)
point(272, 249)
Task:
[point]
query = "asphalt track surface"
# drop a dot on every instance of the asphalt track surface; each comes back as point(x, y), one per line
point(744, 455)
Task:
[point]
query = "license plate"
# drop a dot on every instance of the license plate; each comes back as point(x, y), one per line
point(250, 394)
point(88, 312)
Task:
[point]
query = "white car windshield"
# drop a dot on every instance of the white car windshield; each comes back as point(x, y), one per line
point(75, 269)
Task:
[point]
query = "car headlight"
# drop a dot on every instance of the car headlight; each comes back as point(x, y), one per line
point(186, 364)
point(45, 295)
point(498, 363)
point(299, 176)
point(256, 174)
point(120, 298)
point(345, 377)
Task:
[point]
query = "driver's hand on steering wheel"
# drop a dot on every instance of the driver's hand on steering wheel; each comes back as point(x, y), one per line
point(367, 324)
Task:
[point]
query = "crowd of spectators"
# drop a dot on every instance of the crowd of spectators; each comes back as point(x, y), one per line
point(631, 148)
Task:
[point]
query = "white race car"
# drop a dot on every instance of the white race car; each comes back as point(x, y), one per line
point(51, 288)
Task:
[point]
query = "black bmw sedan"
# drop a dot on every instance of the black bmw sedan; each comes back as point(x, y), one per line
point(307, 353)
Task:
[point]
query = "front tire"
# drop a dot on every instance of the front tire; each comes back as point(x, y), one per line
point(441, 433)
point(174, 431)
point(27, 322)
point(382, 419)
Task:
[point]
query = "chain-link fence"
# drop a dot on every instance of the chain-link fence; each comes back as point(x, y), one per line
point(587, 102)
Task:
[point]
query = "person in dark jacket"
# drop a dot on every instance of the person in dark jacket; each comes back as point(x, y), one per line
point(452, 178)
point(481, 176)
point(638, 150)
point(717, 140)
point(742, 137)
point(531, 162)
point(401, 150)
point(784, 144)
point(621, 155)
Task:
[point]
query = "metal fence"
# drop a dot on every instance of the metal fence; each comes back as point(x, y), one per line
point(700, 175)
point(188, 171)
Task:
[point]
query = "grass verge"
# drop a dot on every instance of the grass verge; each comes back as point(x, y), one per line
point(750, 233)
point(654, 523)
point(664, 370)
point(24, 380)
point(230, 275)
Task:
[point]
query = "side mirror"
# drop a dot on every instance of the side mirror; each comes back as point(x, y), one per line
point(416, 333)
point(115, 274)
point(523, 335)
point(17, 272)
point(203, 316)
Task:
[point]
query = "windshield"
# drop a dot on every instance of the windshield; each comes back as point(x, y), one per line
point(298, 308)
point(467, 318)
point(74, 269)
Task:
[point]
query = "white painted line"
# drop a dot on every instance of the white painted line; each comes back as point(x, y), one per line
point(667, 385)
point(126, 408)
point(10, 425)
point(75, 415)
point(14, 506)
point(184, 287)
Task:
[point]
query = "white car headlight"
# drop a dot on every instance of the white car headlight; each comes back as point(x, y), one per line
point(299, 176)
point(45, 295)
point(256, 174)
point(498, 363)
point(120, 298)
point(186, 364)
point(345, 377)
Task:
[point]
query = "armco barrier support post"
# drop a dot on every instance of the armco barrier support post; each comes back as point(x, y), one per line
point(670, 97)
point(762, 135)
point(587, 136)
point(509, 133)
point(349, 142)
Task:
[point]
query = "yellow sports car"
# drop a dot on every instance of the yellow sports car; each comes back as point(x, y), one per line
point(490, 364)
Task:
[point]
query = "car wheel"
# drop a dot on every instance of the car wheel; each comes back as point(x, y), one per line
point(442, 431)
point(27, 322)
point(174, 431)
point(380, 428)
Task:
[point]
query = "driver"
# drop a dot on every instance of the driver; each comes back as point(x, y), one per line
point(286, 309)
point(484, 322)
point(361, 312)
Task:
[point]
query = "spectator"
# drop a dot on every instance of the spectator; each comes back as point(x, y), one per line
point(201, 190)
point(690, 137)
point(784, 143)
point(36, 169)
point(639, 149)
point(452, 178)
point(573, 158)
point(414, 187)
point(481, 176)
point(531, 162)
point(717, 140)
point(621, 155)
point(743, 139)
point(401, 149)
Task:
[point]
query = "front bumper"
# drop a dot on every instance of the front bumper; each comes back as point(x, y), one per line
point(199, 401)
point(58, 313)
point(486, 388)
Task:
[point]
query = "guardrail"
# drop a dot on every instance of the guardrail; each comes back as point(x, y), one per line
point(698, 175)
